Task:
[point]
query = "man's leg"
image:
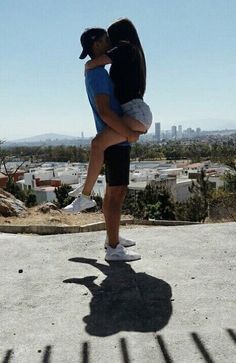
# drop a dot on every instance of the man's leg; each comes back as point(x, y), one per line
point(99, 144)
point(112, 204)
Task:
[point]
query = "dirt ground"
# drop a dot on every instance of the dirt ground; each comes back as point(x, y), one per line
point(54, 217)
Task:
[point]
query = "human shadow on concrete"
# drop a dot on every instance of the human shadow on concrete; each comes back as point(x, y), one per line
point(125, 300)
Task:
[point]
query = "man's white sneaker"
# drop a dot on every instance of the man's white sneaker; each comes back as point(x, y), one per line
point(76, 192)
point(123, 241)
point(120, 253)
point(79, 204)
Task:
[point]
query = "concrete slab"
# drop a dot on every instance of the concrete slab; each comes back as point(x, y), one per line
point(61, 302)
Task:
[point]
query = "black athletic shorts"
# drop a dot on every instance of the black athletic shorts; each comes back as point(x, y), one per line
point(117, 162)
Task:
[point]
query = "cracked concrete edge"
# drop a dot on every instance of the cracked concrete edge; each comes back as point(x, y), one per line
point(163, 222)
point(92, 227)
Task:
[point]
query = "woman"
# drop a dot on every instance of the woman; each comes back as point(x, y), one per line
point(128, 73)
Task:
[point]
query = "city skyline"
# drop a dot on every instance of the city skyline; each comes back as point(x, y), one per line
point(157, 135)
point(191, 77)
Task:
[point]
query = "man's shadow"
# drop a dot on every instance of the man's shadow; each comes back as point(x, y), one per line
point(125, 300)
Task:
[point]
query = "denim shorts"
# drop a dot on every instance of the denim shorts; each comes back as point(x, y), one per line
point(139, 110)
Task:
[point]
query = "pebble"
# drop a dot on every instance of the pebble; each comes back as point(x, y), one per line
point(20, 271)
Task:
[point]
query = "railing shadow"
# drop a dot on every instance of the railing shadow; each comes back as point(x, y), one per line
point(47, 354)
point(164, 349)
point(8, 356)
point(232, 335)
point(203, 350)
point(85, 353)
point(125, 353)
point(125, 300)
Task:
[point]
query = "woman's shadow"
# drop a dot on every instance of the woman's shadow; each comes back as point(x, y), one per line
point(125, 300)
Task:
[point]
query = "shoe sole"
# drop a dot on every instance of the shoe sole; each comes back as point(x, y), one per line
point(123, 260)
point(78, 211)
point(105, 246)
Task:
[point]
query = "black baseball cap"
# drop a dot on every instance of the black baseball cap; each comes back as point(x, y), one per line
point(87, 39)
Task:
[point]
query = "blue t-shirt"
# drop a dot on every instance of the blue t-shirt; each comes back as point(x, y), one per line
point(97, 82)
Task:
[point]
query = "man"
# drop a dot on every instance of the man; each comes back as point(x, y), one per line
point(107, 112)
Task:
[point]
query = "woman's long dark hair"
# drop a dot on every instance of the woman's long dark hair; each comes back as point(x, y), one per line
point(124, 29)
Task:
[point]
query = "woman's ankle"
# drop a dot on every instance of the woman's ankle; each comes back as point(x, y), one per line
point(86, 193)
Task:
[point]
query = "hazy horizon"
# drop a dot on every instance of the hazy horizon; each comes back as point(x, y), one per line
point(54, 134)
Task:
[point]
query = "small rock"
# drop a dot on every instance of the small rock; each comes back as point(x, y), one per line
point(48, 207)
point(39, 351)
point(20, 271)
point(192, 277)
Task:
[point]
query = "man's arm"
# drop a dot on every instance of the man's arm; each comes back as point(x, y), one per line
point(113, 120)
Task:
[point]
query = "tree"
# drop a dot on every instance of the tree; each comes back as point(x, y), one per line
point(14, 189)
point(196, 207)
point(63, 199)
point(154, 202)
point(230, 182)
point(30, 200)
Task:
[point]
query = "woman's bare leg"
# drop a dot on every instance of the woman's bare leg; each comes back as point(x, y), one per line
point(99, 144)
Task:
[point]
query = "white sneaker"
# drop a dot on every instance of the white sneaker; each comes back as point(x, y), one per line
point(76, 192)
point(123, 241)
point(120, 253)
point(80, 204)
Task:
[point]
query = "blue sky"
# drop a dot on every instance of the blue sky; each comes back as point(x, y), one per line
point(190, 51)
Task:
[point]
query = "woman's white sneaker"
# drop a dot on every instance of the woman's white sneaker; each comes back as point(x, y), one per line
point(79, 204)
point(120, 253)
point(76, 192)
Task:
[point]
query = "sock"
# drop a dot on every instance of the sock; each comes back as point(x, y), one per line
point(85, 195)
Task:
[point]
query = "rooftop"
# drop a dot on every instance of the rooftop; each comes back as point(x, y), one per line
point(60, 300)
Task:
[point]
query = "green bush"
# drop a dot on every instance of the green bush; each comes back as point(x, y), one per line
point(30, 200)
point(63, 199)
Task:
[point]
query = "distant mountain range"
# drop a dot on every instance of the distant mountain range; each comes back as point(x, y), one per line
point(48, 139)
point(44, 137)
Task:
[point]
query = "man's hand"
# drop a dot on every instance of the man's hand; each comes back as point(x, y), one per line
point(114, 121)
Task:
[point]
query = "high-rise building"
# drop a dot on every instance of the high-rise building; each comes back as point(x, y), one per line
point(157, 131)
point(173, 132)
point(189, 132)
point(180, 132)
point(198, 131)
